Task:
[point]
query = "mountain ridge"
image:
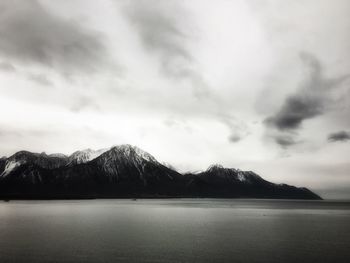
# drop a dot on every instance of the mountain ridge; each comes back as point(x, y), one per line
point(126, 171)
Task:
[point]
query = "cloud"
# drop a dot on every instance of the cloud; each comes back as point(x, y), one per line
point(296, 109)
point(7, 132)
point(7, 67)
point(309, 101)
point(234, 138)
point(238, 129)
point(340, 136)
point(40, 79)
point(314, 97)
point(31, 34)
point(285, 140)
point(83, 103)
point(4, 133)
point(158, 29)
point(161, 33)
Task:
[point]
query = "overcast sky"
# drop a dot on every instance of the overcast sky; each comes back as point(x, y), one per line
point(260, 85)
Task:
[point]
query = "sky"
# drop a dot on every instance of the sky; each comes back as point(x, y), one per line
point(260, 85)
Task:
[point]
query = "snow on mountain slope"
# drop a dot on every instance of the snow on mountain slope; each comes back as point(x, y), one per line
point(231, 174)
point(84, 156)
point(10, 166)
point(125, 156)
point(41, 159)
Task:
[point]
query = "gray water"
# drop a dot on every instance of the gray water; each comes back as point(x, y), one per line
point(175, 230)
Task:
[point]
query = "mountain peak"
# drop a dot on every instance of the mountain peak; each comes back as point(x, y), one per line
point(215, 166)
point(84, 156)
point(23, 153)
point(219, 167)
point(218, 170)
point(132, 151)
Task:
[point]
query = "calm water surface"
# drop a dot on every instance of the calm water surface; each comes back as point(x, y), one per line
point(175, 230)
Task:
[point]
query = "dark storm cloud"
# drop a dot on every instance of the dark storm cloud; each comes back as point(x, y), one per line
point(31, 34)
point(340, 136)
point(295, 110)
point(285, 140)
point(313, 98)
point(310, 100)
point(161, 33)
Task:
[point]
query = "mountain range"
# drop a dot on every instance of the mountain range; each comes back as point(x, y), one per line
point(126, 171)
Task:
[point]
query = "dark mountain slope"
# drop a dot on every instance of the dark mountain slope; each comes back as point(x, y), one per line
point(218, 181)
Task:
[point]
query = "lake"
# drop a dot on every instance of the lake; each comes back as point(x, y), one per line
point(175, 230)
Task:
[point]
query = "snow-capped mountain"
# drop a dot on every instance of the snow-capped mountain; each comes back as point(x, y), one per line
point(127, 171)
